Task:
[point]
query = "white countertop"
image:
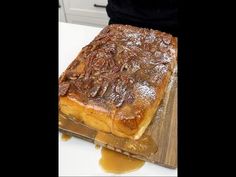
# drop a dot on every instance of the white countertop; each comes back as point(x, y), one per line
point(78, 157)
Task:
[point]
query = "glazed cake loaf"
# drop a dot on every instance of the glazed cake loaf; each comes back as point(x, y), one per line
point(117, 82)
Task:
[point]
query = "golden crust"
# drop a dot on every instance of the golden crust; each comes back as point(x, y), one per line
point(116, 82)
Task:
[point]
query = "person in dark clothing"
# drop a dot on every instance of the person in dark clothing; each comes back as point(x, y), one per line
point(155, 14)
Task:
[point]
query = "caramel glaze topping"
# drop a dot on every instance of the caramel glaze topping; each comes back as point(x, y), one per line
point(120, 63)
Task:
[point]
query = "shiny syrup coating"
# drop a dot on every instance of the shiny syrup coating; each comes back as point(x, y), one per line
point(122, 65)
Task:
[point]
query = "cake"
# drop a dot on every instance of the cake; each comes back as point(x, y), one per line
point(118, 80)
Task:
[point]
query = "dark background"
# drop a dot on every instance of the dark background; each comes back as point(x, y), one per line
point(155, 14)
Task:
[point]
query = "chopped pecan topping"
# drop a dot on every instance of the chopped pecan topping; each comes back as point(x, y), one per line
point(117, 62)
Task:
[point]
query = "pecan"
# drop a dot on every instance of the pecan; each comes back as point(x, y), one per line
point(99, 64)
point(88, 73)
point(111, 62)
point(104, 88)
point(96, 73)
point(118, 87)
point(88, 84)
point(118, 101)
point(81, 76)
point(166, 39)
point(111, 48)
point(112, 97)
point(163, 47)
point(63, 88)
point(94, 90)
point(105, 67)
point(74, 76)
point(71, 75)
point(124, 67)
point(158, 54)
point(115, 69)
